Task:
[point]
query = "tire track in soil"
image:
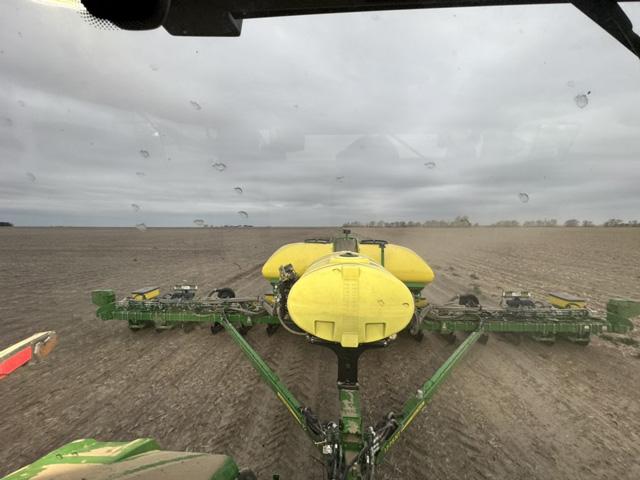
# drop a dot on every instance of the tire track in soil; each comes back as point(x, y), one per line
point(419, 450)
point(538, 394)
point(298, 364)
point(257, 420)
point(245, 274)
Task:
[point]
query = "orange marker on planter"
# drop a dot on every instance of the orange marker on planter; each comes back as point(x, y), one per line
point(38, 345)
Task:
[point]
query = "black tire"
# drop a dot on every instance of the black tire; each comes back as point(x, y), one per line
point(139, 326)
point(216, 328)
point(244, 329)
point(468, 300)
point(449, 337)
point(188, 327)
point(418, 337)
point(246, 474)
point(226, 293)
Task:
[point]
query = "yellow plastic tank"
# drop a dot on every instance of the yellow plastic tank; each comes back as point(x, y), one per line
point(146, 293)
point(349, 299)
point(566, 300)
point(300, 255)
point(402, 262)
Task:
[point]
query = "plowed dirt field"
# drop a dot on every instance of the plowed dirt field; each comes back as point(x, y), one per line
point(508, 411)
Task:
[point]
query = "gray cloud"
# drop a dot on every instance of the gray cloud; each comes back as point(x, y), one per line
point(319, 119)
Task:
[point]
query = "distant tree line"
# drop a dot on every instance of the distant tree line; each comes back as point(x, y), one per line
point(616, 222)
point(460, 221)
point(612, 222)
point(463, 221)
point(506, 223)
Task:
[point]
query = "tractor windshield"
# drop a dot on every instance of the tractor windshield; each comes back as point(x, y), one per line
point(499, 146)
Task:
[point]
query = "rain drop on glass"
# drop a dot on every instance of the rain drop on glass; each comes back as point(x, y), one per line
point(581, 100)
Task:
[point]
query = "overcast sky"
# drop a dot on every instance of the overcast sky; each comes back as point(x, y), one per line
point(410, 115)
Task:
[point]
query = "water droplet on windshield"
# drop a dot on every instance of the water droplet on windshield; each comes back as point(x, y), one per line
point(219, 166)
point(7, 122)
point(156, 134)
point(340, 178)
point(141, 226)
point(581, 100)
point(144, 153)
point(21, 103)
point(238, 190)
point(199, 222)
point(430, 165)
point(243, 214)
point(31, 176)
point(195, 105)
point(136, 207)
point(571, 84)
point(524, 198)
point(140, 174)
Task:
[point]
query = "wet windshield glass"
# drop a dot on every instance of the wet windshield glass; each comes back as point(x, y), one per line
point(500, 145)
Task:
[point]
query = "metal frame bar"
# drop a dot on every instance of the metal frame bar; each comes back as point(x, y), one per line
point(510, 326)
point(352, 436)
point(442, 320)
point(268, 375)
point(416, 403)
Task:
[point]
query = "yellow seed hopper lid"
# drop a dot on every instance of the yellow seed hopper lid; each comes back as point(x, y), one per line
point(348, 298)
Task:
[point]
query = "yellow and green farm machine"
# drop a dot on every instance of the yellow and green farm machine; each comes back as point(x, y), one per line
point(344, 294)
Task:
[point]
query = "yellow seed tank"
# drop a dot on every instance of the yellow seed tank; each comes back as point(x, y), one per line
point(349, 299)
point(402, 262)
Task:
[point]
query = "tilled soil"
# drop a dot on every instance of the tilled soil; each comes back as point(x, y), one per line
point(509, 410)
